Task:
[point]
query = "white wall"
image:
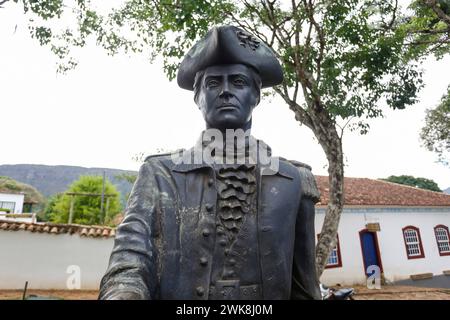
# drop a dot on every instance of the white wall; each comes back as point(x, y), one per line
point(396, 265)
point(43, 259)
point(17, 198)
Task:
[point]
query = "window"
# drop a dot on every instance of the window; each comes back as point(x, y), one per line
point(8, 206)
point(413, 242)
point(334, 259)
point(442, 238)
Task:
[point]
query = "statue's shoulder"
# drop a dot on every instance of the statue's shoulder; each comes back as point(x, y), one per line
point(299, 164)
point(308, 181)
point(163, 156)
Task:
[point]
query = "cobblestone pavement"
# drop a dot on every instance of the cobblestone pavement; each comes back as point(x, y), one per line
point(362, 293)
point(401, 293)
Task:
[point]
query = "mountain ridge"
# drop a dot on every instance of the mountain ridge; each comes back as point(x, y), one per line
point(52, 179)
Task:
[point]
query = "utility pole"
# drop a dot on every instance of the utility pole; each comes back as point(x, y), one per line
point(103, 198)
point(72, 201)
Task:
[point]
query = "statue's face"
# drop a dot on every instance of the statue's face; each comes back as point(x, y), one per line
point(227, 96)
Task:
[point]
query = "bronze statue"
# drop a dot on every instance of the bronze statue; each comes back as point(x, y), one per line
point(231, 223)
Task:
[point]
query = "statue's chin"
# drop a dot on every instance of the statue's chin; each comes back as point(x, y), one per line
point(230, 123)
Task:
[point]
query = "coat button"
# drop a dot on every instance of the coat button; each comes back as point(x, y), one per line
point(231, 273)
point(227, 252)
point(223, 242)
point(205, 232)
point(210, 182)
point(203, 261)
point(209, 207)
point(232, 262)
point(200, 291)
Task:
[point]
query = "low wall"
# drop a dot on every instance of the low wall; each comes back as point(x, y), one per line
point(52, 261)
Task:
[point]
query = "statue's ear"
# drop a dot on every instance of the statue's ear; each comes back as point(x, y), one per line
point(258, 98)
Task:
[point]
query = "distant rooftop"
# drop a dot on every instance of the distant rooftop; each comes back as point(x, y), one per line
point(370, 192)
point(53, 228)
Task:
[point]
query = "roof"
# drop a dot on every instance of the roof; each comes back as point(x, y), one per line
point(370, 192)
point(52, 228)
point(12, 192)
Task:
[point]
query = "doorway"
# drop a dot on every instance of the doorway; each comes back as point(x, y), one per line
point(370, 251)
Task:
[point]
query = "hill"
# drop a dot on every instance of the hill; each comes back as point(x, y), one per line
point(8, 185)
point(50, 180)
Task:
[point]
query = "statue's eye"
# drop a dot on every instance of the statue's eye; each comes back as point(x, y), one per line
point(212, 83)
point(239, 82)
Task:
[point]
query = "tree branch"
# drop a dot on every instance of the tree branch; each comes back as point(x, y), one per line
point(415, 43)
point(300, 114)
point(441, 14)
point(2, 2)
point(428, 31)
point(394, 15)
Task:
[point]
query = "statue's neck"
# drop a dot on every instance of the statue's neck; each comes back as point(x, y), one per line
point(246, 127)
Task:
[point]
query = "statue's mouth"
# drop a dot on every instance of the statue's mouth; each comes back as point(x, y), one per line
point(227, 106)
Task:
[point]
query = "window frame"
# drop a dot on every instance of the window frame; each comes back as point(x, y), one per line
point(419, 238)
point(437, 241)
point(338, 253)
point(11, 210)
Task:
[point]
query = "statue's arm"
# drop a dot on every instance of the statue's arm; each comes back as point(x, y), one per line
point(132, 270)
point(305, 283)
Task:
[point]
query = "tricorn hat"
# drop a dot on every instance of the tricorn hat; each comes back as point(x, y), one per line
point(230, 45)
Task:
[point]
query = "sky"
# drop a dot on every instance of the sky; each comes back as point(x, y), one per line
point(110, 109)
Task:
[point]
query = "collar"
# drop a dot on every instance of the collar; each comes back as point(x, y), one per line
point(207, 151)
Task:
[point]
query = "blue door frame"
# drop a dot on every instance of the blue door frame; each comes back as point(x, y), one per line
point(370, 250)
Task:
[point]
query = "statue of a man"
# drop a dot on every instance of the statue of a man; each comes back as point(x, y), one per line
point(230, 223)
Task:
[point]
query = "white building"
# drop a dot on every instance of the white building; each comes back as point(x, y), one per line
point(402, 230)
point(11, 202)
point(12, 206)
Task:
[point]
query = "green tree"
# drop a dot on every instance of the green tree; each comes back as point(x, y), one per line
point(128, 177)
point(87, 209)
point(428, 32)
point(49, 207)
point(342, 59)
point(421, 183)
point(427, 28)
point(435, 135)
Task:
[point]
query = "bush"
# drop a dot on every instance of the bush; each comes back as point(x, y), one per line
point(86, 209)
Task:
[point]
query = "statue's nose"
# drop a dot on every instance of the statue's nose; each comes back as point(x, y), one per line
point(225, 92)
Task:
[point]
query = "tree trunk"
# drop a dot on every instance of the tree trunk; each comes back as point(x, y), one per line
point(332, 145)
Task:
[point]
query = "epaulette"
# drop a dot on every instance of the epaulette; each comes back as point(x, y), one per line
point(307, 180)
point(162, 154)
point(299, 164)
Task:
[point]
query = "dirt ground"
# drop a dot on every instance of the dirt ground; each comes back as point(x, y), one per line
point(52, 294)
point(401, 293)
point(362, 293)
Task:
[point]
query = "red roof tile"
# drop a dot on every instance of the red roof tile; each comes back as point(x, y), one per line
point(89, 231)
point(369, 192)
